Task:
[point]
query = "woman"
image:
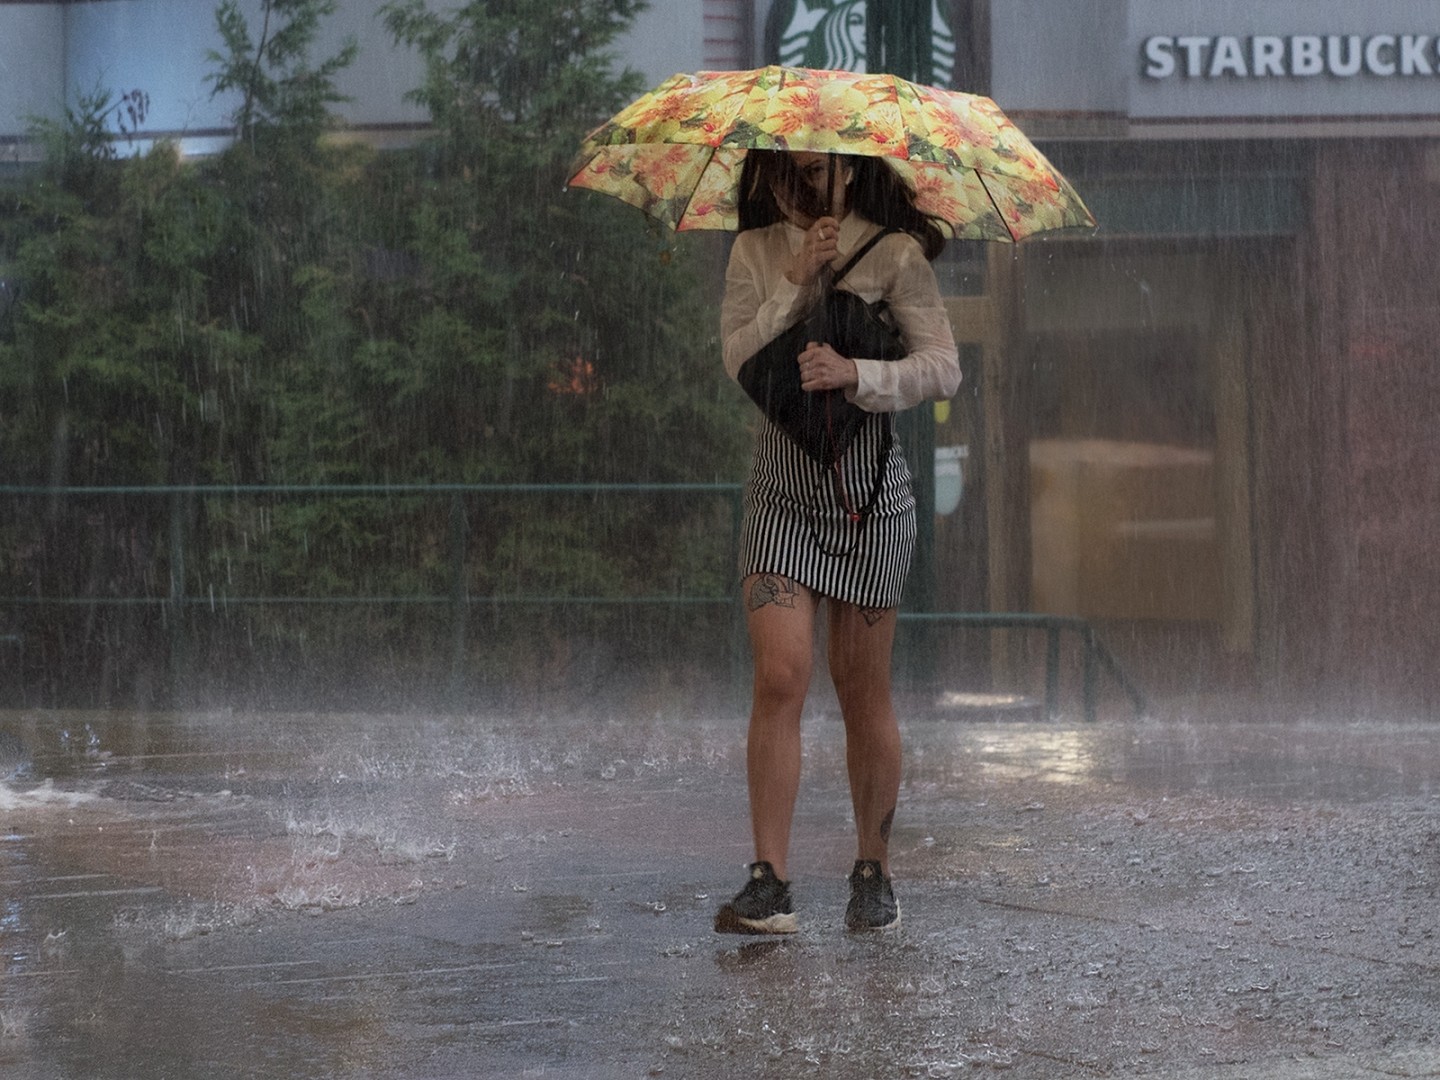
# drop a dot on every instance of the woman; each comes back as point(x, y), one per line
point(802, 216)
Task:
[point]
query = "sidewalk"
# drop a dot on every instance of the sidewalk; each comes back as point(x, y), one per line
point(364, 896)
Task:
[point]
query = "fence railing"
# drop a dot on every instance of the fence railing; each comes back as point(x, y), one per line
point(1096, 658)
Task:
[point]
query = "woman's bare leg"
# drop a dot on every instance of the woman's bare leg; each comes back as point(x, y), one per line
point(781, 617)
point(861, 643)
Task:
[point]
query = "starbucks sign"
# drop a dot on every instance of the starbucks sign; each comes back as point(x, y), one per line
point(1258, 56)
point(1314, 61)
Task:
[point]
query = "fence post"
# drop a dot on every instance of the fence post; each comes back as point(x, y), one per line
point(179, 643)
point(1091, 674)
point(1052, 672)
point(739, 633)
point(459, 596)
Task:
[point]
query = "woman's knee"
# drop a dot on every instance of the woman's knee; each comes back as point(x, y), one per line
point(782, 676)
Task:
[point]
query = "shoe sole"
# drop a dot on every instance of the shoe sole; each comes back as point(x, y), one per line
point(893, 924)
point(727, 921)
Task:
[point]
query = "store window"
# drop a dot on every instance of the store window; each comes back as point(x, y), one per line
point(1122, 434)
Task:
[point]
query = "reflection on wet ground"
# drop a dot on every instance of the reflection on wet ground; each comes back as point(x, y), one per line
point(372, 896)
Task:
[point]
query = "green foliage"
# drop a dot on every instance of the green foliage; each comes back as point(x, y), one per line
point(582, 341)
point(112, 345)
point(517, 69)
point(280, 91)
point(78, 145)
point(298, 311)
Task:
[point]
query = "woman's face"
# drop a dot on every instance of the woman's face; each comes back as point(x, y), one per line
point(813, 171)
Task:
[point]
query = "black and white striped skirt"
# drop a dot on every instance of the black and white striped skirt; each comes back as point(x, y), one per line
point(796, 521)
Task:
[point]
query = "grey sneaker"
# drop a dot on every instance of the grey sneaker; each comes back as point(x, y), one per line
point(872, 901)
point(761, 907)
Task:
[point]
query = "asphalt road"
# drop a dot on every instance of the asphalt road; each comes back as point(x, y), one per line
point(260, 895)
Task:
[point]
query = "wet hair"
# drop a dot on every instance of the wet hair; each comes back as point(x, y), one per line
point(765, 172)
point(876, 193)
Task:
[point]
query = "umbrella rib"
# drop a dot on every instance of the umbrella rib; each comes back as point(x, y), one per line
point(710, 150)
point(577, 166)
point(998, 212)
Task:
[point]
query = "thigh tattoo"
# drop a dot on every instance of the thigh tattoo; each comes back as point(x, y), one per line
point(872, 615)
point(773, 589)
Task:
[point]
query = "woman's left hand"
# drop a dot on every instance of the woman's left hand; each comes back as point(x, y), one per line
point(822, 368)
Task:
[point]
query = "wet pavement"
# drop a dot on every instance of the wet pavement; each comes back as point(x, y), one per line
point(263, 895)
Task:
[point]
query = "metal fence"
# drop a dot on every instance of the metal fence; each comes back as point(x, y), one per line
point(183, 602)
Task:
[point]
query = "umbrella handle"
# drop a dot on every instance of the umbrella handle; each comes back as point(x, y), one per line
point(827, 272)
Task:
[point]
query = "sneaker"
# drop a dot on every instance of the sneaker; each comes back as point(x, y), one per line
point(872, 901)
point(762, 907)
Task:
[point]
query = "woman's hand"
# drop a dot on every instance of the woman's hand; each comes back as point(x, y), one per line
point(820, 246)
point(822, 368)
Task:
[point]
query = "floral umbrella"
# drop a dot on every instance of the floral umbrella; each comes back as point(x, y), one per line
point(676, 152)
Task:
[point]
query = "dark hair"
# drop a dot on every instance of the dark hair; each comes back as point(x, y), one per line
point(876, 192)
point(765, 172)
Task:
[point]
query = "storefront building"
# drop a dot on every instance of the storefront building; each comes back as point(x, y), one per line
point(1224, 398)
point(1209, 427)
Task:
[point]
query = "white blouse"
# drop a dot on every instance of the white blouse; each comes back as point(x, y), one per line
point(761, 303)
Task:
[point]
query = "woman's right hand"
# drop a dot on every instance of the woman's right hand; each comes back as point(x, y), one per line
point(817, 250)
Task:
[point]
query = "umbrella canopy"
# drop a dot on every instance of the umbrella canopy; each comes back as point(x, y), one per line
point(676, 152)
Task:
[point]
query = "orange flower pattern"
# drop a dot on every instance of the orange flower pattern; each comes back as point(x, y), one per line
point(676, 152)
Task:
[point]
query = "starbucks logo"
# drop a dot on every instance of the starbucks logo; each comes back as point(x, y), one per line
point(831, 34)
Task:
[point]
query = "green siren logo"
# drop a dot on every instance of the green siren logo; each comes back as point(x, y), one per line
point(831, 34)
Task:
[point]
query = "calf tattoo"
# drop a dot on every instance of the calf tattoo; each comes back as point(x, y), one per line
point(772, 589)
point(885, 825)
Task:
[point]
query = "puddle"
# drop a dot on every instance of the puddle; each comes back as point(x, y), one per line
point(18, 798)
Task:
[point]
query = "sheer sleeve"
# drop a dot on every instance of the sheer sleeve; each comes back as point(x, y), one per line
point(760, 302)
point(930, 369)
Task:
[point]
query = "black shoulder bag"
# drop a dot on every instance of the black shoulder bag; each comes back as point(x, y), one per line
point(822, 423)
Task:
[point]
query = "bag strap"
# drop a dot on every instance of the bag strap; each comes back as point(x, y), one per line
point(864, 250)
point(833, 476)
